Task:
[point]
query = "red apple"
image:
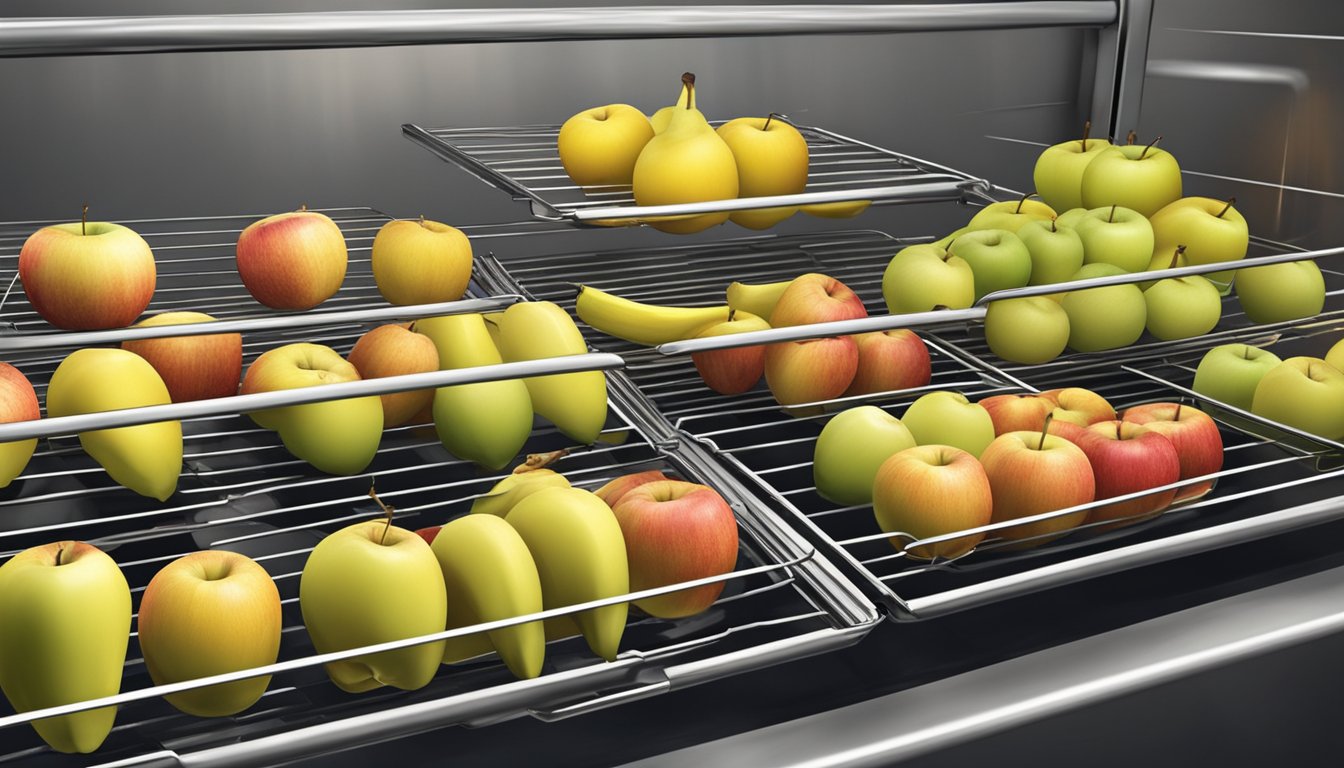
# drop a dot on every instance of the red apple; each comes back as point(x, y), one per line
point(810, 371)
point(615, 490)
point(732, 371)
point(674, 532)
point(1018, 413)
point(392, 350)
point(429, 533)
point(292, 260)
point(192, 367)
point(814, 298)
point(1080, 406)
point(931, 490)
point(1031, 474)
point(1198, 442)
point(1067, 430)
point(890, 361)
point(87, 275)
point(1128, 457)
point(18, 402)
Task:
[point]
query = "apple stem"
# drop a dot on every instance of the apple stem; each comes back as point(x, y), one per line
point(1053, 226)
point(1045, 429)
point(1175, 256)
point(1023, 200)
point(303, 206)
point(59, 552)
point(731, 313)
point(1111, 218)
point(688, 80)
point(387, 514)
point(1131, 137)
point(1230, 202)
point(770, 117)
point(1118, 425)
point(1177, 416)
point(1151, 144)
point(1087, 131)
point(540, 461)
point(83, 225)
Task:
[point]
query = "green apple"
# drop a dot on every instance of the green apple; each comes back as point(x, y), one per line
point(1056, 251)
point(923, 277)
point(851, 447)
point(1229, 373)
point(998, 259)
point(1211, 231)
point(1335, 356)
point(1011, 215)
point(1058, 174)
point(1104, 318)
point(946, 241)
point(1138, 177)
point(948, 418)
point(1278, 292)
point(1030, 330)
point(1164, 258)
point(1071, 217)
point(1115, 235)
point(1303, 392)
point(1179, 308)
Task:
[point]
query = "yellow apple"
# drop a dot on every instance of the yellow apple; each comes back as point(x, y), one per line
point(600, 145)
point(420, 262)
point(771, 159)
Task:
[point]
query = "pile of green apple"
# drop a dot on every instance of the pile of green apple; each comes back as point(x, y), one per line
point(949, 465)
point(1306, 393)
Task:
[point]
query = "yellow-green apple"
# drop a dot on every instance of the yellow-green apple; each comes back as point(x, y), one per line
point(420, 262)
point(998, 259)
point(1011, 215)
point(87, 275)
point(372, 583)
point(771, 159)
point(851, 447)
point(731, 371)
point(1109, 317)
point(932, 490)
point(1056, 251)
point(1070, 218)
point(18, 402)
point(1075, 405)
point(1211, 231)
point(208, 613)
point(1031, 473)
point(1018, 413)
point(1116, 235)
point(1303, 392)
point(1127, 457)
point(1199, 444)
point(524, 481)
point(1334, 357)
point(816, 298)
point(920, 278)
point(1058, 174)
point(293, 260)
point(336, 436)
point(947, 239)
point(1144, 178)
point(393, 350)
point(810, 371)
point(844, 210)
point(1165, 258)
point(948, 418)
point(192, 367)
point(66, 612)
point(600, 145)
point(677, 531)
point(1229, 373)
point(1181, 307)
point(1278, 292)
point(1030, 330)
point(890, 361)
point(146, 458)
point(614, 490)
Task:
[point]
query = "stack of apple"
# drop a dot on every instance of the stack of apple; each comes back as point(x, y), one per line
point(950, 465)
point(1306, 393)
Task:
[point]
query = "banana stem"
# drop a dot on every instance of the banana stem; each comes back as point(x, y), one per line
point(688, 80)
point(83, 227)
point(540, 461)
point(1230, 202)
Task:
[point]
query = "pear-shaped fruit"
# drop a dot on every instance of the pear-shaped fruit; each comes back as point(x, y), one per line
point(508, 492)
point(686, 100)
point(576, 403)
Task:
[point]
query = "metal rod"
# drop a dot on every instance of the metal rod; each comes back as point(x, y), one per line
point(924, 192)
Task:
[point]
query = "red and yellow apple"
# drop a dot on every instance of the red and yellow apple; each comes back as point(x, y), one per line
point(18, 402)
point(615, 489)
point(810, 371)
point(87, 275)
point(1199, 444)
point(890, 361)
point(192, 367)
point(392, 350)
point(1018, 413)
point(731, 371)
point(1079, 406)
point(293, 260)
point(1032, 474)
point(932, 490)
point(816, 298)
point(1127, 457)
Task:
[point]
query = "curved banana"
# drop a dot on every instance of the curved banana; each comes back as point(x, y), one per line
point(574, 402)
point(488, 422)
point(580, 555)
point(490, 575)
point(514, 488)
point(643, 323)
point(759, 299)
point(663, 116)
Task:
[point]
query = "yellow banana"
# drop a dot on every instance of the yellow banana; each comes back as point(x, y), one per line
point(663, 116)
point(759, 299)
point(515, 488)
point(580, 555)
point(488, 422)
point(643, 323)
point(576, 403)
point(490, 575)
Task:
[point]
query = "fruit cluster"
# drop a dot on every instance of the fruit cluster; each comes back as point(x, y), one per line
point(1305, 393)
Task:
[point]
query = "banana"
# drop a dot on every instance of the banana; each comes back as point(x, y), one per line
point(514, 488)
point(574, 402)
point(488, 422)
point(643, 323)
point(758, 299)
point(580, 555)
point(490, 575)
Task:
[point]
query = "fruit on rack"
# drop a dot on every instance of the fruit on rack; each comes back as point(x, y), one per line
point(615, 489)
point(87, 275)
point(515, 487)
point(579, 553)
point(192, 367)
point(209, 613)
point(920, 278)
point(643, 323)
point(1198, 443)
point(420, 261)
point(369, 583)
point(947, 239)
point(487, 422)
point(1075, 405)
point(685, 100)
point(890, 361)
point(146, 458)
point(599, 146)
point(731, 371)
point(686, 163)
point(843, 210)
point(1011, 215)
point(674, 532)
point(490, 576)
point(1127, 457)
point(18, 402)
point(1030, 330)
point(576, 403)
point(393, 350)
point(1018, 413)
point(948, 418)
point(67, 618)
point(849, 450)
point(1056, 252)
point(1335, 356)
point(932, 490)
point(1103, 318)
point(771, 158)
point(999, 260)
point(1145, 178)
point(293, 260)
point(1276, 293)
point(339, 437)
point(810, 371)
point(1165, 258)
point(816, 298)
point(757, 298)
point(1181, 307)
point(1211, 231)
point(1031, 473)
point(1070, 218)
point(1229, 373)
point(1116, 235)
point(1058, 175)
point(1303, 392)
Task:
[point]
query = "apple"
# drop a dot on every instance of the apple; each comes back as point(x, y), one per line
point(946, 240)
point(851, 447)
point(1145, 178)
point(1011, 215)
point(1115, 235)
point(192, 367)
point(420, 262)
point(599, 146)
point(18, 402)
point(1198, 443)
point(392, 350)
point(1229, 373)
point(1058, 174)
point(890, 361)
point(815, 298)
point(731, 371)
point(208, 613)
point(948, 418)
point(810, 371)
point(1030, 330)
point(293, 260)
point(1070, 218)
point(1075, 405)
point(931, 490)
point(1181, 307)
point(1031, 473)
point(1127, 457)
point(1056, 251)
point(771, 159)
point(1334, 357)
point(1109, 317)
point(920, 278)
point(1303, 392)
point(676, 531)
point(1018, 413)
point(1066, 429)
point(614, 490)
point(88, 275)
point(1211, 231)
point(1165, 258)
point(1278, 292)
point(66, 612)
point(998, 259)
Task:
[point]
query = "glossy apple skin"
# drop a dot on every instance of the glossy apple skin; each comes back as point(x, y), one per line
point(18, 402)
point(209, 613)
point(84, 282)
point(890, 361)
point(731, 371)
point(1229, 373)
point(1208, 238)
point(192, 367)
point(811, 371)
point(1335, 356)
point(771, 160)
point(1116, 235)
point(1198, 443)
point(1079, 406)
point(849, 450)
point(920, 278)
point(676, 531)
point(999, 259)
point(600, 145)
point(1011, 215)
point(948, 418)
point(930, 490)
point(1058, 174)
point(1183, 307)
point(420, 262)
point(391, 350)
point(1303, 392)
point(292, 260)
point(1031, 475)
point(1109, 317)
point(1017, 413)
point(1029, 330)
point(1129, 176)
point(816, 298)
point(1056, 251)
point(1278, 292)
point(1128, 457)
point(615, 489)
